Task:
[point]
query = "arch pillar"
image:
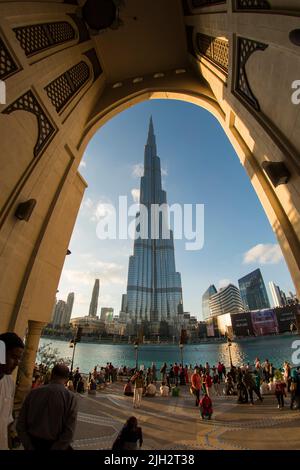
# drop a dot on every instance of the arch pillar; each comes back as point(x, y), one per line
point(26, 367)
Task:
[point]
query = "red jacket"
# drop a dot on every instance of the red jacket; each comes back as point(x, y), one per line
point(206, 404)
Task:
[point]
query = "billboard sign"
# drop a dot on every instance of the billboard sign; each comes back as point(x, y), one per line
point(242, 324)
point(264, 322)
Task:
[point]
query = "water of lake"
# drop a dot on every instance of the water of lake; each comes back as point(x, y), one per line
point(276, 348)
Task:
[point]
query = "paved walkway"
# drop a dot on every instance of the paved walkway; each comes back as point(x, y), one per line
point(174, 423)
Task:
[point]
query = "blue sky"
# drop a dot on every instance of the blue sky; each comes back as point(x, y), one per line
point(199, 166)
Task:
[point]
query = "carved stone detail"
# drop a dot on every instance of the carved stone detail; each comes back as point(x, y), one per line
point(214, 49)
point(46, 130)
point(245, 48)
point(63, 88)
point(38, 37)
point(7, 63)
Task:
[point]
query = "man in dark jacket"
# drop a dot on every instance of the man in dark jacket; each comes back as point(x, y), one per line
point(48, 416)
point(250, 384)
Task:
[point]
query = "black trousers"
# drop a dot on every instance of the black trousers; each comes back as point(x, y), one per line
point(197, 394)
point(256, 390)
point(280, 399)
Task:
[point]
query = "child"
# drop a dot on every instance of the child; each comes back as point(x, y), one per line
point(206, 407)
point(279, 389)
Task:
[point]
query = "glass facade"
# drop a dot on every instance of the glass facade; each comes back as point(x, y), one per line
point(206, 313)
point(154, 290)
point(253, 291)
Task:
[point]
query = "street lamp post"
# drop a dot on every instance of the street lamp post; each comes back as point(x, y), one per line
point(229, 350)
point(136, 348)
point(76, 339)
point(181, 352)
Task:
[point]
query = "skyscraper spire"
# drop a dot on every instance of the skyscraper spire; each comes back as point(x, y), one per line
point(151, 136)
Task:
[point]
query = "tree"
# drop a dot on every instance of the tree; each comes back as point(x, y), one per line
point(49, 356)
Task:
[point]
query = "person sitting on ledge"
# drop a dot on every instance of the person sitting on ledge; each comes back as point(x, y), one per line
point(206, 409)
point(92, 387)
point(150, 390)
point(164, 390)
point(128, 389)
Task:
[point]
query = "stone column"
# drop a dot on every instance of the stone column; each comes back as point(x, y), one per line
point(26, 367)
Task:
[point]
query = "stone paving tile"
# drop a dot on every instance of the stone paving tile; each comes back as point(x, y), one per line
point(174, 423)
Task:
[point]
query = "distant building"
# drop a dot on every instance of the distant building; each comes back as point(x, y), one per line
point(124, 303)
point(278, 296)
point(115, 326)
point(59, 314)
point(253, 291)
point(226, 300)
point(107, 314)
point(69, 308)
point(206, 313)
point(94, 300)
point(267, 321)
point(89, 325)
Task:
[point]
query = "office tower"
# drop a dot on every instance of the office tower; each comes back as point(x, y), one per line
point(206, 313)
point(94, 300)
point(278, 296)
point(154, 290)
point(253, 291)
point(226, 300)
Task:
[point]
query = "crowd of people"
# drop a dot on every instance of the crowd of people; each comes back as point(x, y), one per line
point(48, 416)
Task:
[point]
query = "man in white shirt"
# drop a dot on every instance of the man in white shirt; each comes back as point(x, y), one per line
point(14, 348)
point(164, 390)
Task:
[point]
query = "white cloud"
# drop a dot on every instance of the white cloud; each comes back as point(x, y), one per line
point(82, 164)
point(164, 172)
point(96, 210)
point(88, 203)
point(80, 277)
point(263, 254)
point(135, 193)
point(138, 170)
point(223, 283)
point(108, 273)
point(103, 208)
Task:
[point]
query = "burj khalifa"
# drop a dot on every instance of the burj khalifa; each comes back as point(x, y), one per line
point(154, 291)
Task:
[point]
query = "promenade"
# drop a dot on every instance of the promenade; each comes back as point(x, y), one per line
point(174, 423)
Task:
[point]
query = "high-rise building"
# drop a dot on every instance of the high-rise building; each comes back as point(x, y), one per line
point(107, 314)
point(253, 291)
point(124, 303)
point(94, 300)
point(206, 313)
point(278, 296)
point(59, 314)
point(226, 300)
point(69, 308)
point(154, 291)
